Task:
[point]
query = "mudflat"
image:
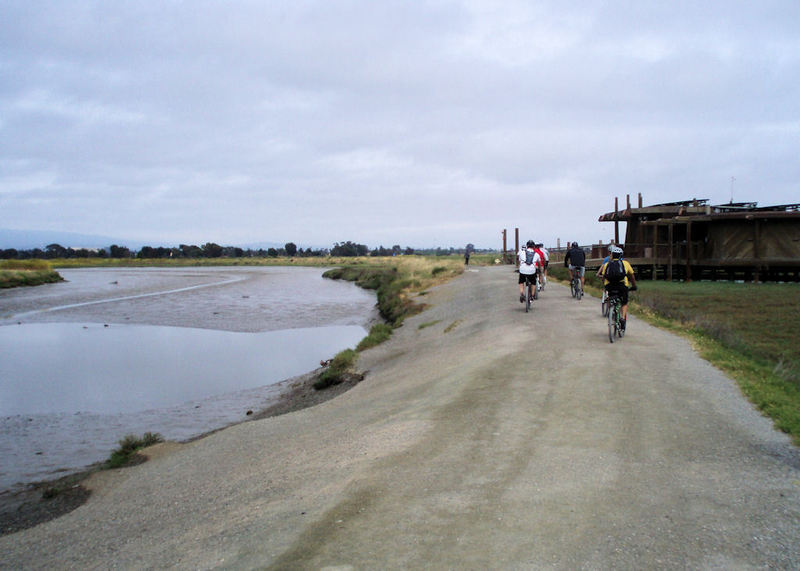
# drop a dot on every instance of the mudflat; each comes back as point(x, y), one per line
point(481, 437)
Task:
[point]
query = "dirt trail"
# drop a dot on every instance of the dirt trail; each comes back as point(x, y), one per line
point(486, 439)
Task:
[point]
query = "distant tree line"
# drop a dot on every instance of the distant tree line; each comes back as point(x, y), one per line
point(212, 250)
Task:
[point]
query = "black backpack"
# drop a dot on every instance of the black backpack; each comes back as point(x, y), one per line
point(529, 254)
point(615, 271)
point(577, 257)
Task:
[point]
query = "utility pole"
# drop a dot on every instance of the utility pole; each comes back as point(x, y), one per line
point(732, 179)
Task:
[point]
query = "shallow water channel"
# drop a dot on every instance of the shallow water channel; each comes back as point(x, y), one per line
point(181, 352)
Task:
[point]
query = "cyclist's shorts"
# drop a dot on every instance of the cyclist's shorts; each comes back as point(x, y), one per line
point(530, 277)
point(580, 269)
point(618, 290)
point(546, 264)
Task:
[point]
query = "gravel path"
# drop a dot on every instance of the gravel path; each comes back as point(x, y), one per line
point(489, 438)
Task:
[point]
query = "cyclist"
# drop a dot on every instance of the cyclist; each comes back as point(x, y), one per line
point(575, 260)
point(619, 287)
point(540, 268)
point(546, 261)
point(528, 266)
point(605, 261)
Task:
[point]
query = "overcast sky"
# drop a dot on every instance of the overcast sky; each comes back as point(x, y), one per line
point(419, 123)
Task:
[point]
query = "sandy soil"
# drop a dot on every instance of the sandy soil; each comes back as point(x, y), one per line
point(489, 438)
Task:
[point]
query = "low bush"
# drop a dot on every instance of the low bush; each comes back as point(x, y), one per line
point(342, 364)
point(379, 333)
point(128, 446)
point(20, 278)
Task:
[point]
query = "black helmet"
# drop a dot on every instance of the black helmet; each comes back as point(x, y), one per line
point(574, 244)
point(530, 244)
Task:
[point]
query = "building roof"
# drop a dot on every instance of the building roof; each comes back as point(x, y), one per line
point(699, 209)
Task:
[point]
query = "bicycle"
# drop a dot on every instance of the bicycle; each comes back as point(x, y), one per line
point(530, 291)
point(615, 317)
point(604, 304)
point(575, 286)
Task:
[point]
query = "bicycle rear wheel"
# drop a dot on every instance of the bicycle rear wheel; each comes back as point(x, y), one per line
point(572, 287)
point(528, 297)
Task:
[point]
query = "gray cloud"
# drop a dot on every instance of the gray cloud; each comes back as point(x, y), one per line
point(429, 123)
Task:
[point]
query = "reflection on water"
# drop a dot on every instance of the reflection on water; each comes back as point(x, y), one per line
point(68, 367)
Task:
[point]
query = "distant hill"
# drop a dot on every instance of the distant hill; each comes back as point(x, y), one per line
point(30, 239)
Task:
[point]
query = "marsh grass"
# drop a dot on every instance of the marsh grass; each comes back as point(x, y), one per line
point(129, 446)
point(24, 265)
point(394, 280)
point(379, 333)
point(342, 364)
point(18, 273)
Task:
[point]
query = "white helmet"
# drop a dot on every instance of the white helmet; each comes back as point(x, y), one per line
point(616, 250)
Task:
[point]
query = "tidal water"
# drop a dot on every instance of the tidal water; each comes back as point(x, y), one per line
point(175, 351)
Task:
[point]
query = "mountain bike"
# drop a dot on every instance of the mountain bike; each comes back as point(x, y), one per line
point(575, 286)
point(604, 304)
point(530, 291)
point(615, 317)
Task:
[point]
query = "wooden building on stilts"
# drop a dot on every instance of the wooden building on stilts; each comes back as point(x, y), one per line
point(693, 240)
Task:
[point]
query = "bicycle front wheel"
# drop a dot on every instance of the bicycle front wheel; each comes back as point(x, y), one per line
point(612, 323)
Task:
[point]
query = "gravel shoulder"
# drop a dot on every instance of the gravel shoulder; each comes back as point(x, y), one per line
point(489, 438)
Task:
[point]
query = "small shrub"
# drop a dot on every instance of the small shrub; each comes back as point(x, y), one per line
point(341, 364)
point(379, 333)
point(438, 270)
point(129, 445)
